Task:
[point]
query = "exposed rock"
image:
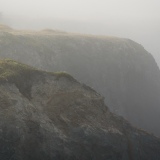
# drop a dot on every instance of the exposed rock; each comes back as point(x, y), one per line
point(59, 118)
point(120, 69)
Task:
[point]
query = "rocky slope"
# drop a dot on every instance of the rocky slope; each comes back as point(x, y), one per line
point(120, 69)
point(46, 116)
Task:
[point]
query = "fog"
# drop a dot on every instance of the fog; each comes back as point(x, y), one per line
point(138, 20)
point(72, 96)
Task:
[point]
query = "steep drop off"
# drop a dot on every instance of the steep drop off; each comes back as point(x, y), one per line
point(120, 69)
point(59, 118)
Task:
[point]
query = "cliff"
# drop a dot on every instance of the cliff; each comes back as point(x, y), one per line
point(46, 116)
point(119, 69)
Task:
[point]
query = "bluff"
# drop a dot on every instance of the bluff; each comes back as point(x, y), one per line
point(119, 69)
point(46, 116)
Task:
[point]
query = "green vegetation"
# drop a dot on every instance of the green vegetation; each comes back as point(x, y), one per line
point(63, 75)
point(19, 74)
point(10, 69)
point(23, 76)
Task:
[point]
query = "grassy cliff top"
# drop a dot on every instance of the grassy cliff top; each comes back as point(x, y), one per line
point(23, 76)
point(52, 32)
point(10, 69)
point(5, 27)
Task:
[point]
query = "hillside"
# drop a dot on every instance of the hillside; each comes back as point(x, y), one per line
point(119, 69)
point(59, 118)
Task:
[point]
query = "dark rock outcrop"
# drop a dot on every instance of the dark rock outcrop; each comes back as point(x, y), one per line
point(59, 118)
point(120, 69)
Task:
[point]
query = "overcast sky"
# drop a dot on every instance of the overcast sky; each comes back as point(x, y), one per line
point(135, 19)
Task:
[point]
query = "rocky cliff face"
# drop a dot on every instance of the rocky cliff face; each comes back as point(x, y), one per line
point(120, 69)
point(46, 116)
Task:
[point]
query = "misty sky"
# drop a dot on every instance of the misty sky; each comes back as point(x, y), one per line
point(135, 19)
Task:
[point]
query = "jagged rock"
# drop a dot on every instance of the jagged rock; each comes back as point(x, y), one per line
point(46, 116)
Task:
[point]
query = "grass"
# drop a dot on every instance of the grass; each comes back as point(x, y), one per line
point(63, 75)
point(10, 69)
point(23, 76)
point(19, 74)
